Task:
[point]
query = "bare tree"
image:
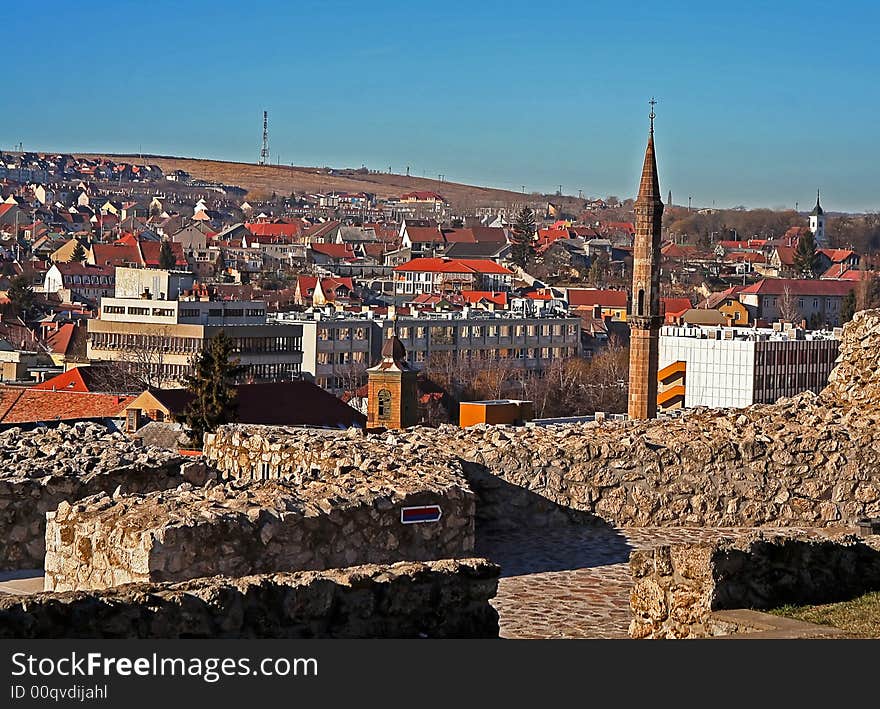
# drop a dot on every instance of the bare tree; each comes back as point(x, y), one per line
point(787, 306)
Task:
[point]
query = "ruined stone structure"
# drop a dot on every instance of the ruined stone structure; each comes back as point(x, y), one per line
point(645, 317)
point(805, 461)
point(437, 599)
point(677, 588)
point(238, 529)
point(44, 467)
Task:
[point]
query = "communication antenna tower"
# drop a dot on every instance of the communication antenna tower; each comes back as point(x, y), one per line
point(264, 152)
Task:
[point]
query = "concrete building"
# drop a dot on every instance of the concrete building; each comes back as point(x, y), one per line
point(733, 366)
point(158, 332)
point(479, 336)
point(339, 347)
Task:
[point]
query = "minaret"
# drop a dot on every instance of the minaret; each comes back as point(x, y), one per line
point(645, 317)
point(817, 224)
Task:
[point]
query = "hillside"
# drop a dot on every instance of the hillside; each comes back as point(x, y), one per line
point(262, 180)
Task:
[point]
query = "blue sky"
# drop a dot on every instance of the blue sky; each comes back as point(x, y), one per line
point(759, 102)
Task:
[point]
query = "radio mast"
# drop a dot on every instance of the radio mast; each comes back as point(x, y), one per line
point(264, 152)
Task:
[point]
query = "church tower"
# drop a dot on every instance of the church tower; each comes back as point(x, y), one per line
point(392, 389)
point(817, 224)
point(645, 317)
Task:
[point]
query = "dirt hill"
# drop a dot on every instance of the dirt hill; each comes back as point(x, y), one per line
point(262, 180)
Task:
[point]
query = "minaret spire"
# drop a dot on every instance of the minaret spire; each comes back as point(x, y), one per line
point(645, 315)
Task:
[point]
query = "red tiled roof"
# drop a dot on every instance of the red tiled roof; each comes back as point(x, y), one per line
point(837, 255)
point(116, 254)
point(459, 236)
point(336, 251)
point(476, 296)
point(749, 244)
point(424, 234)
point(440, 265)
point(329, 286)
point(799, 286)
point(270, 229)
point(59, 340)
point(785, 254)
point(589, 297)
point(745, 257)
point(31, 405)
point(152, 249)
point(676, 305)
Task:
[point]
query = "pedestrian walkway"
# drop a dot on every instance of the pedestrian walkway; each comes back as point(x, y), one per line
point(574, 581)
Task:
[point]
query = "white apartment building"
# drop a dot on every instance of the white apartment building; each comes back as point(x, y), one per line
point(734, 367)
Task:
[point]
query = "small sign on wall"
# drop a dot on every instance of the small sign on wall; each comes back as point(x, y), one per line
point(417, 515)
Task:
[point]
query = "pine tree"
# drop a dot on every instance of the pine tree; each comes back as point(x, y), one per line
point(21, 298)
point(211, 383)
point(79, 253)
point(805, 257)
point(522, 237)
point(848, 307)
point(167, 259)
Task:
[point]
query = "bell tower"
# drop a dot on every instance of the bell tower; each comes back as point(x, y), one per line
point(392, 389)
point(645, 317)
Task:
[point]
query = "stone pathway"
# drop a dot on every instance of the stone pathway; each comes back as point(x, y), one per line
point(574, 582)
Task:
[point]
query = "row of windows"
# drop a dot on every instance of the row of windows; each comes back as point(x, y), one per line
point(341, 357)
point(800, 355)
point(532, 330)
point(88, 280)
point(188, 345)
point(326, 334)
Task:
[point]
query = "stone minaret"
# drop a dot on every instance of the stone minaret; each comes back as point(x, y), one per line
point(645, 317)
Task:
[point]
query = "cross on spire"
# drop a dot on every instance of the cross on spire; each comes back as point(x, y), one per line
point(651, 115)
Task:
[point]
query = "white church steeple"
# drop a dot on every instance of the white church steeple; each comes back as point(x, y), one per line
point(817, 224)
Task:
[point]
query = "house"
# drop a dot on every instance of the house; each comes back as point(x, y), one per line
point(317, 292)
point(423, 197)
point(818, 302)
point(613, 303)
point(80, 281)
point(294, 403)
point(443, 275)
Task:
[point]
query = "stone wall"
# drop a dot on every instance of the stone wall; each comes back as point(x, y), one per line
point(810, 460)
point(41, 468)
point(677, 588)
point(237, 529)
point(438, 599)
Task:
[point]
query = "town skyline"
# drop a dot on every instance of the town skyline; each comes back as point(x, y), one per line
point(517, 114)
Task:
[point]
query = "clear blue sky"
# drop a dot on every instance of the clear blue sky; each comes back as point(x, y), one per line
point(759, 102)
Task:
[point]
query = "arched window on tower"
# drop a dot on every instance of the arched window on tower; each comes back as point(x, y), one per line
point(640, 308)
point(384, 401)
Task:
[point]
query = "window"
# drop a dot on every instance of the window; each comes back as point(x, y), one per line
point(189, 313)
point(641, 302)
point(384, 401)
point(264, 471)
point(215, 312)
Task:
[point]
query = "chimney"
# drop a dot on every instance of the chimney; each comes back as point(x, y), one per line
point(597, 312)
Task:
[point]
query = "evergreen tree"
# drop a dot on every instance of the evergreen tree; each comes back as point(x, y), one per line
point(21, 298)
point(167, 259)
point(848, 307)
point(805, 256)
point(211, 382)
point(79, 253)
point(522, 237)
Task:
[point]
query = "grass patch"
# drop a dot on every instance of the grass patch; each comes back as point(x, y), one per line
point(860, 616)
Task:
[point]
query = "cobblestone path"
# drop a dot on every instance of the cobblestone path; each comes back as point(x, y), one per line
point(573, 582)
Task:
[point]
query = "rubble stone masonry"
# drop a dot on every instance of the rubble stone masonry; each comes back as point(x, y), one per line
point(437, 599)
point(677, 588)
point(809, 460)
point(238, 529)
point(43, 467)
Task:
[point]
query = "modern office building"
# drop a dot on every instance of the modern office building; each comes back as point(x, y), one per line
point(160, 320)
point(734, 367)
